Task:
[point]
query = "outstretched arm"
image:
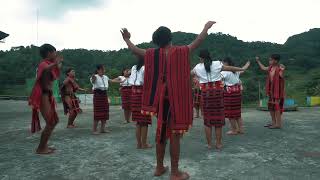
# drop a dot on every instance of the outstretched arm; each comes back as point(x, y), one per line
point(246, 66)
point(116, 80)
point(201, 37)
point(236, 69)
point(262, 67)
point(126, 37)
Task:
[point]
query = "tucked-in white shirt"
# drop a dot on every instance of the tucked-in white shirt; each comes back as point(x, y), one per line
point(136, 77)
point(231, 78)
point(102, 82)
point(204, 76)
point(125, 81)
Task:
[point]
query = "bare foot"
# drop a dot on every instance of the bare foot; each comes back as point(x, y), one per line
point(179, 176)
point(218, 146)
point(241, 132)
point(232, 133)
point(160, 170)
point(209, 146)
point(146, 146)
point(71, 126)
point(139, 146)
point(45, 151)
point(95, 133)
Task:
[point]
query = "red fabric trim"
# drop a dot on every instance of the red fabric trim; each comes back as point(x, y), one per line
point(177, 83)
point(36, 94)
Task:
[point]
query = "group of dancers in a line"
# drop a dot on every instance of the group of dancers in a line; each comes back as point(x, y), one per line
point(159, 85)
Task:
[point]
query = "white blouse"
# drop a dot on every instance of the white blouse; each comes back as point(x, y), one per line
point(136, 77)
point(214, 75)
point(231, 78)
point(125, 81)
point(102, 82)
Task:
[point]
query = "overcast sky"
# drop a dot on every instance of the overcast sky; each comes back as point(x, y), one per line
point(95, 24)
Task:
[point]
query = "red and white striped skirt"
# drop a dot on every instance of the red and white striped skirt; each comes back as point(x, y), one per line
point(136, 103)
point(212, 104)
point(100, 105)
point(125, 97)
point(232, 102)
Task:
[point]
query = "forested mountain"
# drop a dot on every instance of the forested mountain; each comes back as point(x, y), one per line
point(300, 53)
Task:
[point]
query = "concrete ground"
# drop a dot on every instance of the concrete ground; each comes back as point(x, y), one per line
point(290, 153)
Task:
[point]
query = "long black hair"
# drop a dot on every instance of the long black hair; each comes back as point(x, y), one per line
point(140, 63)
point(228, 60)
point(205, 55)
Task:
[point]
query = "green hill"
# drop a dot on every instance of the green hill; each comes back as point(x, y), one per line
point(300, 54)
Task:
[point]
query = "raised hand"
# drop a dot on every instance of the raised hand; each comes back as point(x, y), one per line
point(246, 66)
point(59, 59)
point(125, 33)
point(209, 24)
point(257, 58)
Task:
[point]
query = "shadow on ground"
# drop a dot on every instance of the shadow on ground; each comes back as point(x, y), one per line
point(290, 153)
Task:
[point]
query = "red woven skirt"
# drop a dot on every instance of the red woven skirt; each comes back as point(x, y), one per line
point(136, 103)
point(100, 105)
point(125, 97)
point(232, 102)
point(212, 104)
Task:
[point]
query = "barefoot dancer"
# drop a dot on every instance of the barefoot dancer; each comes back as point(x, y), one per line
point(232, 98)
point(172, 103)
point(69, 99)
point(125, 91)
point(137, 81)
point(196, 96)
point(209, 73)
point(42, 97)
point(275, 89)
point(100, 84)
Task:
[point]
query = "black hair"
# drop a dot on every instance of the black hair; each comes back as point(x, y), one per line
point(45, 49)
point(275, 57)
point(99, 66)
point(123, 70)
point(205, 54)
point(68, 71)
point(140, 63)
point(228, 60)
point(162, 36)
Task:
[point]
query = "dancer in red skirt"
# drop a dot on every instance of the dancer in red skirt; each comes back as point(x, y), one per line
point(275, 89)
point(126, 91)
point(209, 74)
point(232, 98)
point(196, 96)
point(100, 84)
point(167, 92)
point(69, 99)
point(137, 80)
point(42, 99)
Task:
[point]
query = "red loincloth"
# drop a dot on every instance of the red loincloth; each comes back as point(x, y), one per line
point(36, 95)
point(212, 104)
point(100, 105)
point(125, 97)
point(275, 89)
point(232, 101)
point(171, 75)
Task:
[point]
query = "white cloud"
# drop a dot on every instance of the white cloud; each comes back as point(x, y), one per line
point(97, 27)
